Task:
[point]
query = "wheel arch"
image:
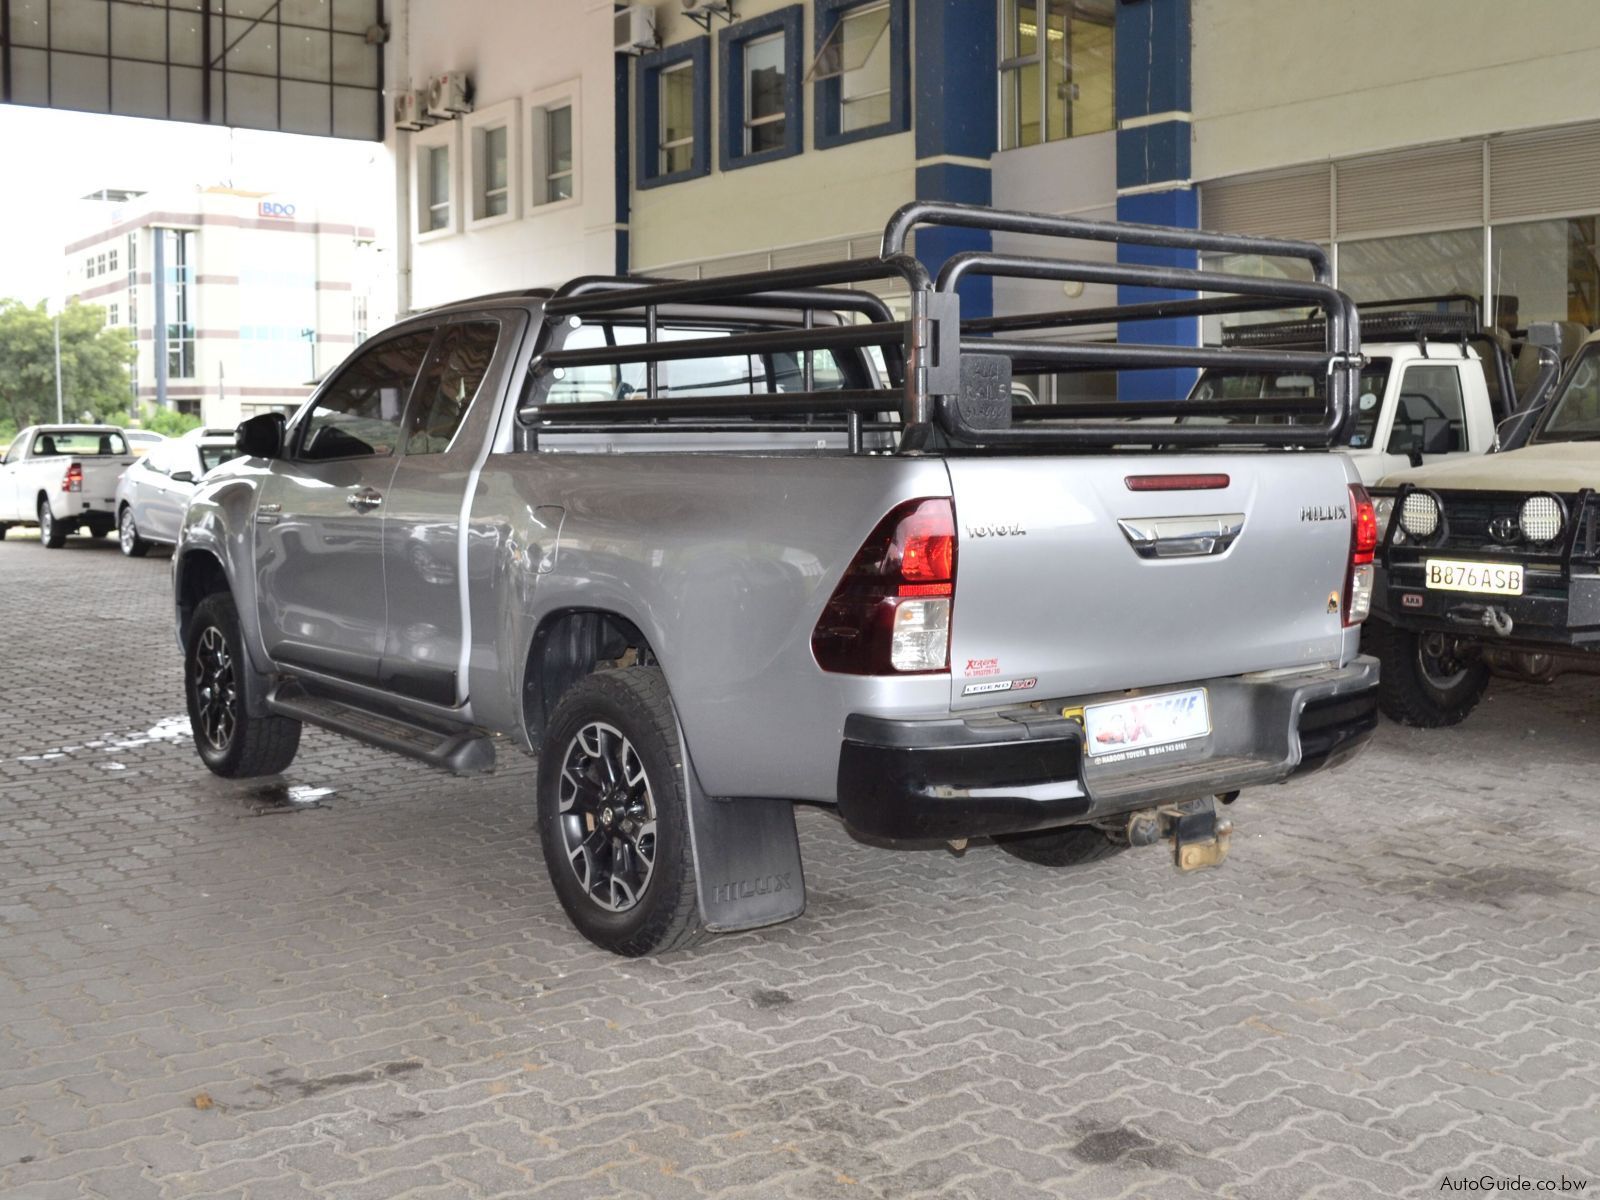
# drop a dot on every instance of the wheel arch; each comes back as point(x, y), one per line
point(199, 573)
point(568, 645)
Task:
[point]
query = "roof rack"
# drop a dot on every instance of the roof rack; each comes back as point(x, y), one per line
point(951, 379)
point(1375, 327)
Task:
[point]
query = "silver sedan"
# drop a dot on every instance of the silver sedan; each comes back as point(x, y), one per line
point(153, 493)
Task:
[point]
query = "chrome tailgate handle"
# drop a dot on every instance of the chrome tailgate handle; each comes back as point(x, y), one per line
point(1182, 537)
point(364, 500)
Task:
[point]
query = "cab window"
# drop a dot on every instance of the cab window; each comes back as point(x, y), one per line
point(359, 415)
point(455, 371)
point(1428, 392)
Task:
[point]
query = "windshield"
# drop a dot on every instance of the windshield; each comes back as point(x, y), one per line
point(1575, 413)
point(79, 443)
point(1217, 384)
point(214, 456)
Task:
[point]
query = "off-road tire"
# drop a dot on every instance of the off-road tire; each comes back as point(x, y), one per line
point(128, 538)
point(52, 533)
point(1406, 692)
point(256, 745)
point(666, 914)
point(1071, 846)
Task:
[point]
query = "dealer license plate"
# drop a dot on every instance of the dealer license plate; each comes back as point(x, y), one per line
point(1490, 579)
point(1149, 724)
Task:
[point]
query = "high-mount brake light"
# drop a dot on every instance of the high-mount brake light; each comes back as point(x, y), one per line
point(1176, 483)
point(890, 614)
point(1363, 548)
point(72, 481)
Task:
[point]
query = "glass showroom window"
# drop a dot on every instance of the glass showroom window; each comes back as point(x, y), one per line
point(436, 188)
point(765, 92)
point(675, 139)
point(1546, 271)
point(558, 170)
point(1057, 75)
point(1415, 264)
point(494, 167)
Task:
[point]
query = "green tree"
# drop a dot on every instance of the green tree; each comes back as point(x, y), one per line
point(94, 365)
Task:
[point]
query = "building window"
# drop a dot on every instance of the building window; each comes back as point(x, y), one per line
point(675, 137)
point(558, 153)
point(437, 176)
point(495, 188)
point(178, 284)
point(861, 70)
point(100, 264)
point(493, 177)
point(88, 267)
point(760, 74)
point(554, 132)
point(358, 318)
point(1057, 74)
point(674, 113)
point(111, 259)
point(111, 314)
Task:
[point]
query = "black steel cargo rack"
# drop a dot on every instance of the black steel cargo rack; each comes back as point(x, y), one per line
point(949, 379)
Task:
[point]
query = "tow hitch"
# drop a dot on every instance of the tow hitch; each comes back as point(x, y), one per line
point(1198, 838)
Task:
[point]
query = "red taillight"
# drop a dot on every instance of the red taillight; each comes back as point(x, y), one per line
point(72, 481)
point(1363, 548)
point(890, 614)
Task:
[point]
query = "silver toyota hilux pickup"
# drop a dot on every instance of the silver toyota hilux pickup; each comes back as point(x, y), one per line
point(712, 548)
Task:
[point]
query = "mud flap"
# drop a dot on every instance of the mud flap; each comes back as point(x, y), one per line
point(746, 859)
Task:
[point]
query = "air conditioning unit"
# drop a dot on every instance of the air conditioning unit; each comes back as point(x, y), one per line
point(635, 29)
point(704, 8)
point(449, 95)
point(411, 110)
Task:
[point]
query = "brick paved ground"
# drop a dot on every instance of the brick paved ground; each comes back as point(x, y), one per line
point(357, 983)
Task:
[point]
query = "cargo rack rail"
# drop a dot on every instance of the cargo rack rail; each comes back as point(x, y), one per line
point(950, 379)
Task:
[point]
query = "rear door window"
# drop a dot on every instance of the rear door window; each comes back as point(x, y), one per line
point(359, 415)
point(455, 371)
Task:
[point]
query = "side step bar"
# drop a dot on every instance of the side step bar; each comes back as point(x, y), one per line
point(463, 752)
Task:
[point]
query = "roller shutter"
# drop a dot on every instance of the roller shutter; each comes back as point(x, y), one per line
point(1284, 204)
point(1549, 173)
point(1440, 187)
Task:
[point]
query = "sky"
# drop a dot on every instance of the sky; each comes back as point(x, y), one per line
point(56, 158)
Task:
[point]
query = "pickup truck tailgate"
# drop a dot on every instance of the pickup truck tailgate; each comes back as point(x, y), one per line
point(1061, 593)
point(100, 477)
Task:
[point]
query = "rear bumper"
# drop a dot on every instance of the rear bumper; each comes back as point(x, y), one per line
point(1023, 770)
point(1568, 619)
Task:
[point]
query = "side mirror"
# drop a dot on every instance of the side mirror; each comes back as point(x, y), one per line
point(1436, 435)
point(183, 477)
point(261, 436)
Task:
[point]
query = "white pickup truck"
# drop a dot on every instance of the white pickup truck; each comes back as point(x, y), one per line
point(1422, 400)
point(63, 478)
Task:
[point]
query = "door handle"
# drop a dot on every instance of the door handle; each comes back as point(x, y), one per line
point(365, 500)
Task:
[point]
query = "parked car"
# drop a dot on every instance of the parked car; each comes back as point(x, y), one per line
point(1425, 389)
point(686, 542)
point(153, 492)
point(142, 441)
point(63, 478)
point(1492, 566)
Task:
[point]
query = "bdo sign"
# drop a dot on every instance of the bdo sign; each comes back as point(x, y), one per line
point(275, 208)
